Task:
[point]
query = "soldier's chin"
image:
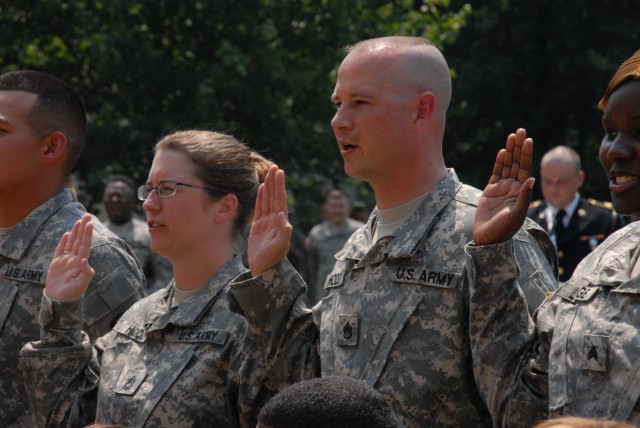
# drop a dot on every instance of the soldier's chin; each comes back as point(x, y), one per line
point(157, 248)
point(626, 206)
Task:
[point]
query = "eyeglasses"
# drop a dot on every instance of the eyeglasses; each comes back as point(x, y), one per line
point(167, 188)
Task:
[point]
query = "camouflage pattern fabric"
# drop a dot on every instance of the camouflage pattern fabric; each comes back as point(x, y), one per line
point(325, 240)
point(26, 251)
point(396, 314)
point(194, 365)
point(585, 348)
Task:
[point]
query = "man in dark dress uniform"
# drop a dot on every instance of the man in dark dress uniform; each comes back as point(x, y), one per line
point(576, 224)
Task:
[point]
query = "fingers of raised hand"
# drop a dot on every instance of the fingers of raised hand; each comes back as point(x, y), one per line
point(259, 198)
point(272, 195)
point(266, 194)
point(280, 200)
point(268, 191)
point(60, 249)
point(85, 235)
point(526, 156)
point(77, 242)
point(497, 167)
point(73, 237)
point(517, 152)
point(508, 156)
point(517, 158)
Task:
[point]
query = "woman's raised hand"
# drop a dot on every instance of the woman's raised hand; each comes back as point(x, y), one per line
point(270, 234)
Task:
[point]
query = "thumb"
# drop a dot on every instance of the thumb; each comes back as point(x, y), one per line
point(525, 195)
point(86, 269)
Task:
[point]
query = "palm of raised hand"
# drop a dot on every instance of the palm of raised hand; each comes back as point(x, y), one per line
point(69, 273)
point(502, 208)
point(270, 234)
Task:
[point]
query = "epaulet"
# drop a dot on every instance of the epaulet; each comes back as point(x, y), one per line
point(535, 204)
point(595, 203)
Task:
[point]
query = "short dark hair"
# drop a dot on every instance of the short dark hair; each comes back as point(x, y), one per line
point(333, 401)
point(124, 179)
point(57, 108)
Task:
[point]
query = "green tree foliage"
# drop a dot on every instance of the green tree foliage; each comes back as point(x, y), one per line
point(262, 70)
point(542, 65)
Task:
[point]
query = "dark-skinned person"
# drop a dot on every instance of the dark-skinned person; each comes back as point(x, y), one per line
point(42, 135)
point(179, 357)
point(395, 310)
point(333, 401)
point(580, 354)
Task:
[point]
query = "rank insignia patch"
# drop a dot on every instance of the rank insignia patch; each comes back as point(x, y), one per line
point(347, 330)
point(594, 352)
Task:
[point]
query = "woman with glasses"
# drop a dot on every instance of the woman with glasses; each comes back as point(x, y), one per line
point(180, 357)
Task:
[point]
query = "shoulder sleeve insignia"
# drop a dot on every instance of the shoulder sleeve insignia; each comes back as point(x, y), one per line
point(596, 203)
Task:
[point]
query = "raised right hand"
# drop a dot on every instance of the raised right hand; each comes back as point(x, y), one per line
point(69, 273)
point(270, 234)
point(502, 208)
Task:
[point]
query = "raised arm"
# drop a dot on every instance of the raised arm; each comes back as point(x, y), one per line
point(70, 273)
point(502, 209)
point(272, 303)
point(509, 358)
point(58, 370)
point(270, 234)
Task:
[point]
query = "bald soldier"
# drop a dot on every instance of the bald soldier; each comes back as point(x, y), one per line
point(396, 309)
point(577, 225)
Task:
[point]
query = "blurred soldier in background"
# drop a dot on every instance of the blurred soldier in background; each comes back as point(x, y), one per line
point(576, 224)
point(326, 239)
point(119, 199)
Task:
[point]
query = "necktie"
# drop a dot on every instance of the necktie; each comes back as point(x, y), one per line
point(559, 227)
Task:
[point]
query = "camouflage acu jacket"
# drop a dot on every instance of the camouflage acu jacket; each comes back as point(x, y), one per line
point(194, 365)
point(325, 240)
point(25, 253)
point(584, 357)
point(396, 312)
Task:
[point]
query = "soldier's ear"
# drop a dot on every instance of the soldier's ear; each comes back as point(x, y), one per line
point(426, 104)
point(54, 147)
point(580, 179)
point(226, 209)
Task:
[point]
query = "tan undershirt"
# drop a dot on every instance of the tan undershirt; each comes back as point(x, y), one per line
point(390, 219)
point(181, 296)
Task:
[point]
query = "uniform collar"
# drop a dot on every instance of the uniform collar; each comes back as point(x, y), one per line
point(407, 237)
point(16, 242)
point(569, 209)
point(189, 313)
